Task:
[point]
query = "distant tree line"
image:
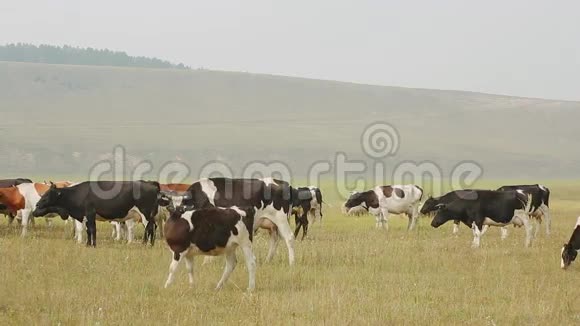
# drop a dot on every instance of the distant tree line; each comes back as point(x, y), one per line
point(22, 52)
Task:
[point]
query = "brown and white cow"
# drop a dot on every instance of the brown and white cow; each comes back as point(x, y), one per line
point(211, 231)
point(7, 183)
point(22, 199)
point(382, 200)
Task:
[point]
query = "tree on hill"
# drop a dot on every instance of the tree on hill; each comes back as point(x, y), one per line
point(22, 52)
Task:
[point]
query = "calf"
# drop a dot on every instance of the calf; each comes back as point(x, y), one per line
point(540, 202)
point(382, 200)
point(271, 198)
point(487, 207)
point(307, 202)
point(105, 201)
point(570, 249)
point(211, 232)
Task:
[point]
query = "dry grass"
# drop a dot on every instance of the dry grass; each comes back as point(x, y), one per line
point(346, 273)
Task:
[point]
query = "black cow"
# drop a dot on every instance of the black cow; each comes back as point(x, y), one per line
point(570, 249)
point(487, 207)
point(307, 202)
point(103, 200)
point(211, 232)
point(540, 202)
point(6, 183)
point(430, 205)
point(271, 198)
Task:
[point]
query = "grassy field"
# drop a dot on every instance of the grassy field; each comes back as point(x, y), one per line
point(346, 273)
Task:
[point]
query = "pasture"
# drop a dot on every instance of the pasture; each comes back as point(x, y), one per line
point(347, 272)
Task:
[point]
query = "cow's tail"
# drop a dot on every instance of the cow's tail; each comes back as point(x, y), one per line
point(526, 200)
point(421, 190)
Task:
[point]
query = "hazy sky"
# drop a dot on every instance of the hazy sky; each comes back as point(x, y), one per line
point(516, 47)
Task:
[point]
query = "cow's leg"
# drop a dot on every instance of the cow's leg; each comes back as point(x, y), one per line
point(172, 268)
point(231, 262)
point(477, 233)
point(48, 222)
point(413, 215)
point(189, 266)
point(305, 212)
point(484, 229)
point(273, 245)
point(528, 226)
point(116, 233)
point(208, 260)
point(455, 226)
point(286, 234)
point(378, 219)
point(298, 224)
point(78, 231)
point(537, 224)
point(150, 227)
point(25, 217)
point(160, 226)
point(504, 232)
point(130, 225)
point(546, 212)
point(250, 260)
point(91, 228)
point(384, 219)
point(10, 218)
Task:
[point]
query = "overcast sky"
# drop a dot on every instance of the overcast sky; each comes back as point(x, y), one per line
point(515, 47)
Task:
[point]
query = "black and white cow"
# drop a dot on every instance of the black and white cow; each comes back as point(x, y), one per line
point(382, 200)
point(430, 205)
point(570, 249)
point(307, 203)
point(103, 201)
point(487, 207)
point(540, 202)
point(271, 198)
point(211, 231)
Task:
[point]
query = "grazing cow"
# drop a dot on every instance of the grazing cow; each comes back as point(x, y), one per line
point(430, 205)
point(7, 183)
point(540, 202)
point(307, 202)
point(104, 201)
point(271, 198)
point(382, 200)
point(211, 232)
point(22, 199)
point(487, 207)
point(570, 249)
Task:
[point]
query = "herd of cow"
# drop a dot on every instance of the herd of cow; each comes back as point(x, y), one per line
point(215, 216)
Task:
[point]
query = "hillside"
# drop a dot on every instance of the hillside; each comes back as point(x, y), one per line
point(59, 119)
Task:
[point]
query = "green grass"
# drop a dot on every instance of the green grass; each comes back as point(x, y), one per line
point(346, 273)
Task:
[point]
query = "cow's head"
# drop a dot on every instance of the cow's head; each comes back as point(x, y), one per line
point(359, 202)
point(568, 255)
point(172, 200)
point(50, 203)
point(429, 205)
point(443, 215)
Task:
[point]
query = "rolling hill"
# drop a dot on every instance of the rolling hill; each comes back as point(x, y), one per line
point(59, 120)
